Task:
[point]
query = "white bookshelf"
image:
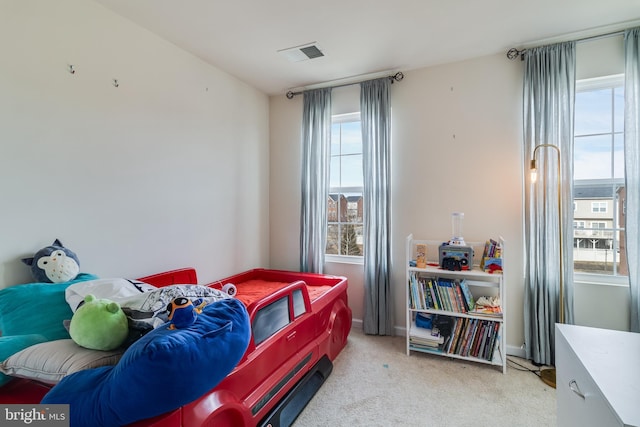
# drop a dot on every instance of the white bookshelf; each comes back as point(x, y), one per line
point(481, 337)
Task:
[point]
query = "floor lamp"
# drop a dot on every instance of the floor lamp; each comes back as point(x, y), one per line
point(549, 375)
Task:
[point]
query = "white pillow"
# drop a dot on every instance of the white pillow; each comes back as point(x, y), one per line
point(51, 361)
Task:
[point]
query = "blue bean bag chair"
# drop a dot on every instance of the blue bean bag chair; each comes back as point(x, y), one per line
point(160, 372)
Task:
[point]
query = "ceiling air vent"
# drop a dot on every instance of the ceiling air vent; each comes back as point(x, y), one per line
point(302, 53)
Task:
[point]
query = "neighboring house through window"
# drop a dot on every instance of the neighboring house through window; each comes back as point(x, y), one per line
point(344, 208)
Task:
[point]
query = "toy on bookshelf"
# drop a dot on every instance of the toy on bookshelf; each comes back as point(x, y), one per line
point(492, 257)
point(421, 255)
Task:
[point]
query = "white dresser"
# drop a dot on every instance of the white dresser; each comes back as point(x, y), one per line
point(597, 377)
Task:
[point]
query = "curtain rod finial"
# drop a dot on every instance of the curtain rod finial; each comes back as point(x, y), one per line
point(397, 77)
point(513, 53)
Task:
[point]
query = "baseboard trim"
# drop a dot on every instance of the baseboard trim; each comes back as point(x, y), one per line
point(401, 331)
point(356, 323)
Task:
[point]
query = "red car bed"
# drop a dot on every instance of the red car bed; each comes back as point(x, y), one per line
point(299, 324)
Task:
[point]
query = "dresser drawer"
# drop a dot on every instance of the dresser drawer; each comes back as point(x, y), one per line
point(580, 401)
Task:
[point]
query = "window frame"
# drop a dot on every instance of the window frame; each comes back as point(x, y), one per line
point(605, 82)
point(337, 258)
point(263, 327)
point(599, 207)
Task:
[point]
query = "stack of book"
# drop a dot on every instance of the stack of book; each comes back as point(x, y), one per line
point(488, 306)
point(473, 338)
point(440, 294)
point(423, 338)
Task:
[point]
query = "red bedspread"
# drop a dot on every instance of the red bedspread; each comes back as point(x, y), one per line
point(254, 290)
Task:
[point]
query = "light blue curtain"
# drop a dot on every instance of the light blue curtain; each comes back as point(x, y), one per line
point(316, 140)
point(375, 113)
point(549, 92)
point(632, 167)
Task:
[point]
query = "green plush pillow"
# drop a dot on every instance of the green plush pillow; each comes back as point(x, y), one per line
point(36, 308)
point(14, 344)
point(99, 324)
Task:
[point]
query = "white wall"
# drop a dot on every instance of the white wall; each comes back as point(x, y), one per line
point(168, 170)
point(456, 146)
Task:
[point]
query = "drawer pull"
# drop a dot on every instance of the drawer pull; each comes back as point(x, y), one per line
point(573, 385)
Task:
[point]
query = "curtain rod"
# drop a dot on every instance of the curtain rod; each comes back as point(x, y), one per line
point(513, 53)
point(394, 78)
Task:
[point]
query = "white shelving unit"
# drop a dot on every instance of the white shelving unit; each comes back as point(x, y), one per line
point(479, 284)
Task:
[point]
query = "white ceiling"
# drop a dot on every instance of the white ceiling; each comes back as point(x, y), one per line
point(360, 37)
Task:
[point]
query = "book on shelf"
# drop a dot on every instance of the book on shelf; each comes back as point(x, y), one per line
point(488, 311)
point(468, 296)
point(459, 337)
point(462, 303)
point(486, 339)
point(488, 306)
point(434, 295)
point(475, 347)
point(468, 339)
point(424, 336)
point(494, 340)
point(416, 298)
point(471, 338)
point(444, 294)
point(445, 290)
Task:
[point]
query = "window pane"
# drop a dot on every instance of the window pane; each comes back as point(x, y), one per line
point(332, 240)
point(618, 108)
point(592, 157)
point(354, 208)
point(351, 169)
point(298, 303)
point(593, 112)
point(334, 171)
point(351, 240)
point(618, 156)
point(270, 319)
point(351, 138)
point(335, 139)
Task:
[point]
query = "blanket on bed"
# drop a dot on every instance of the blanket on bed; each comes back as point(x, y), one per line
point(144, 305)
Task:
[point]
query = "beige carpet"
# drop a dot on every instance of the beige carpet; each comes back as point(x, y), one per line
point(374, 383)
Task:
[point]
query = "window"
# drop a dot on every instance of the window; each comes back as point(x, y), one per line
point(598, 168)
point(298, 304)
point(599, 207)
point(270, 319)
point(344, 207)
